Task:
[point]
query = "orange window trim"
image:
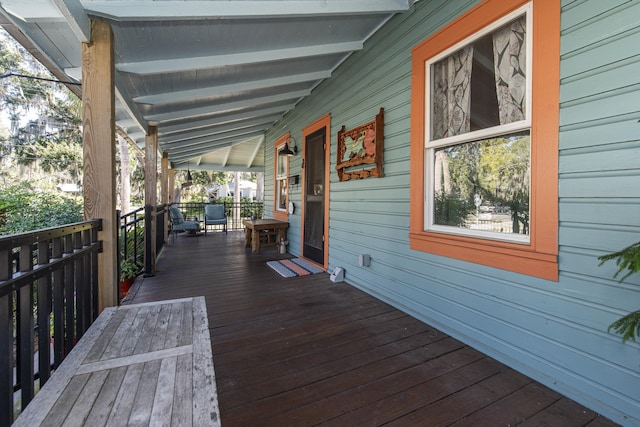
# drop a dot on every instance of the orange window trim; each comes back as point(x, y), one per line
point(277, 214)
point(539, 258)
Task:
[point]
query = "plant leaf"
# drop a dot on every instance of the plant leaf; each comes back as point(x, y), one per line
point(627, 259)
point(627, 326)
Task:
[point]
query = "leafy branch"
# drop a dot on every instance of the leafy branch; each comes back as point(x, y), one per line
point(627, 326)
point(628, 262)
point(628, 259)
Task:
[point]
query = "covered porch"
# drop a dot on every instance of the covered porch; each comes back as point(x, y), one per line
point(307, 351)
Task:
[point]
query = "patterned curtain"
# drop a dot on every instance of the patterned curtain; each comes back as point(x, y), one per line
point(451, 94)
point(509, 57)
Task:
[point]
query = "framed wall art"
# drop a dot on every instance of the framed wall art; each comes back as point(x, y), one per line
point(360, 150)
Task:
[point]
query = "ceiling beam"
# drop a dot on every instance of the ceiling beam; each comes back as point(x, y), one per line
point(20, 31)
point(214, 167)
point(137, 136)
point(216, 109)
point(229, 118)
point(227, 155)
point(123, 134)
point(127, 10)
point(255, 152)
point(216, 130)
point(167, 98)
point(211, 145)
point(76, 18)
point(210, 138)
point(128, 124)
point(166, 66)
point(134, 114)
point(33, 10)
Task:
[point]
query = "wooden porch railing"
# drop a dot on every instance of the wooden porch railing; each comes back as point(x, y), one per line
point(48, 299)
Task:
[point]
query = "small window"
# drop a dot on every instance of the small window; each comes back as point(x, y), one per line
point(478, 144)
point(281, 187)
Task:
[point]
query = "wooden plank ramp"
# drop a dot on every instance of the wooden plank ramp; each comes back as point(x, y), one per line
point(139, 364)
point(305, 351)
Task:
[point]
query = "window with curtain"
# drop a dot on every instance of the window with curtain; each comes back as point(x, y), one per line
point(478, 135)
point(282, 182)
point(485, 98)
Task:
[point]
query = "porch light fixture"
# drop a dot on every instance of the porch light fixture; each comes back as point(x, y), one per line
point(286, 151)
point(189, 177)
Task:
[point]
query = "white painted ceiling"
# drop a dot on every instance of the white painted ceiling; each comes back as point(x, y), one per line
point(212, 75)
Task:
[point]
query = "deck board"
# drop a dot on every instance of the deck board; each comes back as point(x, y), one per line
point(306, 351)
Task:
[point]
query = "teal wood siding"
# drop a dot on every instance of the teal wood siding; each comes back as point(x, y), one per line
point(555, 332)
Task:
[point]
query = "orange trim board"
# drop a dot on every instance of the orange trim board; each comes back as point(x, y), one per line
point(322, 122)
point(539, 257)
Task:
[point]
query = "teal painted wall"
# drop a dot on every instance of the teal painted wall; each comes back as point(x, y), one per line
point(555, 332)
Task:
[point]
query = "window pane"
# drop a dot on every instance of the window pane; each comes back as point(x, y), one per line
point(481, 85)
point(484, 185)
point(282, 194)
point(282, 164)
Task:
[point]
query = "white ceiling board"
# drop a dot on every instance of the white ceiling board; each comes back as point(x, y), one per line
point(125, 10)
point(168, 66)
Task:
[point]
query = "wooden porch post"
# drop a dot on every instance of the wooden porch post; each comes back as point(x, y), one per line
point(164, 186)
point(150, 199)
point(172, 183)
point(99, 171)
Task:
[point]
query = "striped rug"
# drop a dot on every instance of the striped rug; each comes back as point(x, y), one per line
point(293, 267)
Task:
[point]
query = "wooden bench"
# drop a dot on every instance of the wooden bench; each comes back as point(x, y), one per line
point(139, 364)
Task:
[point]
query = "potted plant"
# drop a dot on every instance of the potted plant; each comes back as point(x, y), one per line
point(128, 272)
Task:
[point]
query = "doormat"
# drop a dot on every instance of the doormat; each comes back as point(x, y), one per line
point(293, 267)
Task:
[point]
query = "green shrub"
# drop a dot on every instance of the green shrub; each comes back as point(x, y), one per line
point(23, 209)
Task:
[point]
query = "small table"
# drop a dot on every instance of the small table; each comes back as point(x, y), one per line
point(253, 229)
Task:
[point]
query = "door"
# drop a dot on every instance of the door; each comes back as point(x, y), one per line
point(314, 201)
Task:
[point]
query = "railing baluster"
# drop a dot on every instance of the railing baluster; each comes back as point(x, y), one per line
point(94, 277)
point(6, 344)
point(69, 298)
point(25, 330)
point(86, 278)
point(44, 311)
point(58, 304)
point(78, 267)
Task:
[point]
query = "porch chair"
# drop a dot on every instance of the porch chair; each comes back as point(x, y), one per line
point(178, 222)
point(214, 215)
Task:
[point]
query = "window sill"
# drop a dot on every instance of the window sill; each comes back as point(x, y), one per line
point(513, 257)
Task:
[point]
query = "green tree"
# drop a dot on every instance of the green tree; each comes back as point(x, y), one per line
point(44, 137)
point(496, 169)
point(504, 176)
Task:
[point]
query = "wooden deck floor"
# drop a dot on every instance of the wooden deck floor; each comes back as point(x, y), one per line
point(305, 351)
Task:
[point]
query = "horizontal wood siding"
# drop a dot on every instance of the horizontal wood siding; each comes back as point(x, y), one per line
point(555, 332)
point(598, 186)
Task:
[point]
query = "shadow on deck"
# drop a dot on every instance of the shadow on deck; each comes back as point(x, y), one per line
point(306, 351)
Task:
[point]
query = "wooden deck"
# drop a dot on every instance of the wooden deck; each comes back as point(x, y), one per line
point(305, 351)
